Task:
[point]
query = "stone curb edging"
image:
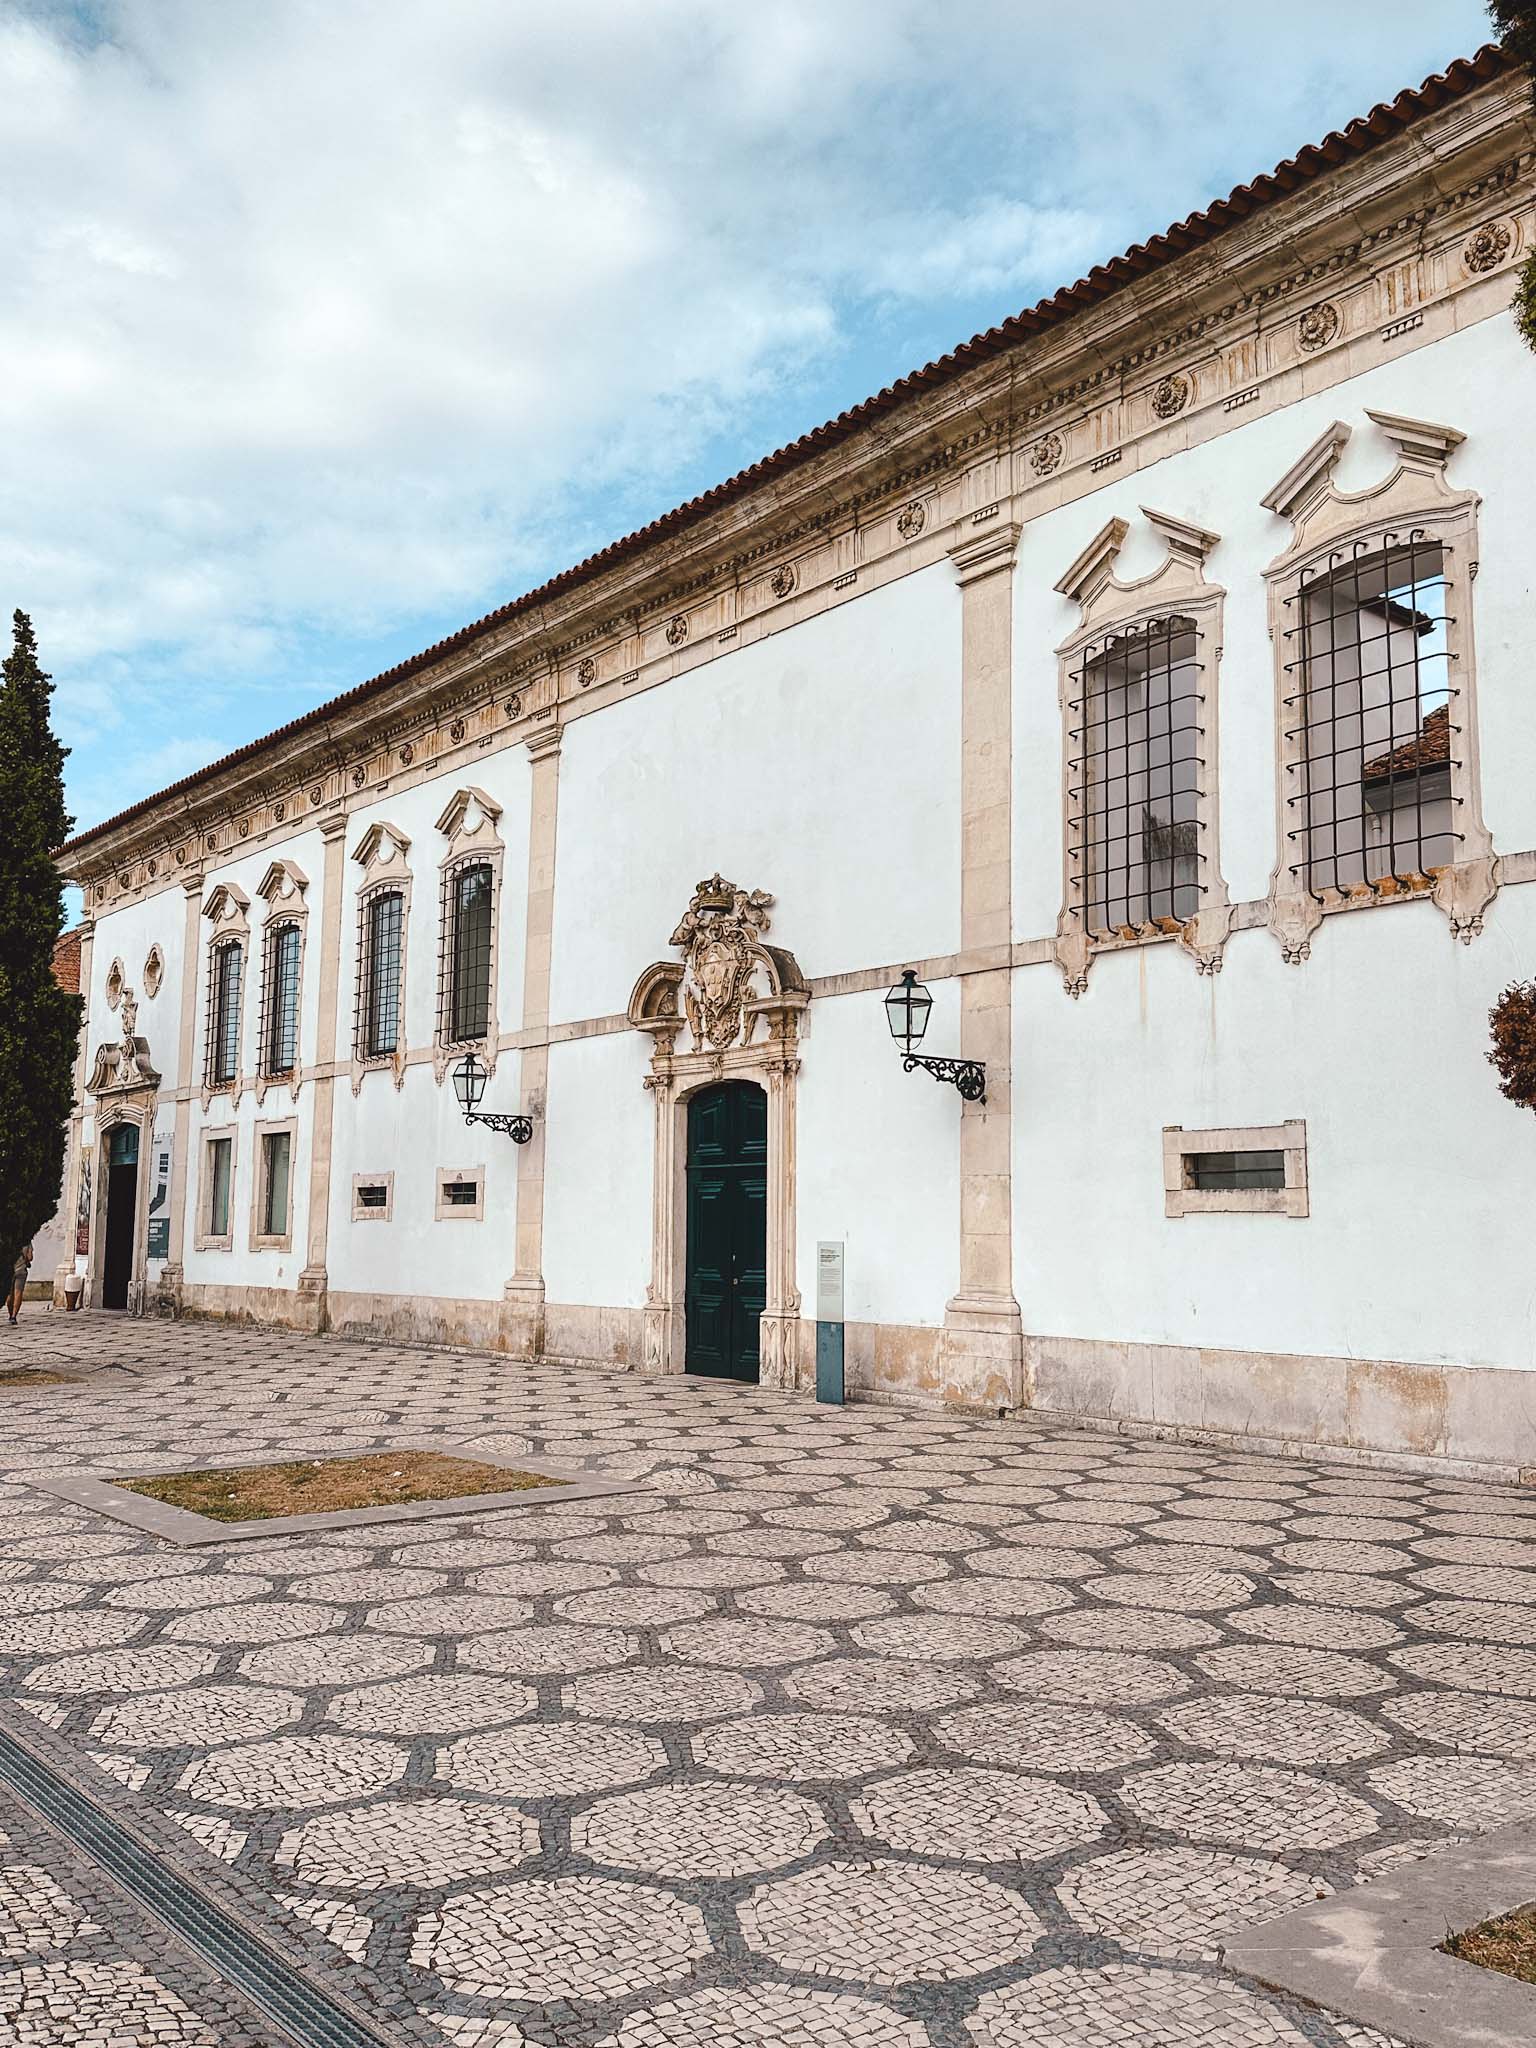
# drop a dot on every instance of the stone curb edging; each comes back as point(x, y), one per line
point(180, 1526)
point(1372, 1954)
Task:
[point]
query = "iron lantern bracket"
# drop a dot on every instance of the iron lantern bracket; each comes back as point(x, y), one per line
point(518, 1128)
point(969, 1076)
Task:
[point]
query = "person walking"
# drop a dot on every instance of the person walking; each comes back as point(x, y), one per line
point(19, 1281)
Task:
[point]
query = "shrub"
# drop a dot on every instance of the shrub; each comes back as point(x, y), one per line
point(1512, 1023)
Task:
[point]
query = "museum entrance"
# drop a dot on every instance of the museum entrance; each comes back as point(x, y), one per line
point(727, 1253)
point(122, 1164)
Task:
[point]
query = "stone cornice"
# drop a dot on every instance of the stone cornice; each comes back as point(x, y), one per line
point(1380, 258)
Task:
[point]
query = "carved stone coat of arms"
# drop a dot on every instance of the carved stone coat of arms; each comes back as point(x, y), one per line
point(719, 935)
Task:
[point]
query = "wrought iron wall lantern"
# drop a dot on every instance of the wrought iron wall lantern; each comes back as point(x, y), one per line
point(906, 1011)
point(469, 1079)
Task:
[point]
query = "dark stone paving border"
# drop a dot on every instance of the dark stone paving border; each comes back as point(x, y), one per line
point(181, 1526)
point(1373, 1954)
point(391, 2017)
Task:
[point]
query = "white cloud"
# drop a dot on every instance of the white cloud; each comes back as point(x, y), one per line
point(323, 317)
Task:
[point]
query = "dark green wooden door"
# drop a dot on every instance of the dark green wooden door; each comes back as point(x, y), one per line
point(727, 1228)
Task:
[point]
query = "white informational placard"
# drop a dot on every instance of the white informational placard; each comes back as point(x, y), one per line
point(829, 1281)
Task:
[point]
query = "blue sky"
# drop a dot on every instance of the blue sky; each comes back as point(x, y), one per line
point(331, 324)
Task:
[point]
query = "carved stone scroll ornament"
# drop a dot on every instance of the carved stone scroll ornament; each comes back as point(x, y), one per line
point(123, 1066)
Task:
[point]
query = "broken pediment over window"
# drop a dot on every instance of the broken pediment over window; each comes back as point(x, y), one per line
point(469, 821)
point(381, 853)
point(283, 886)
point(227, 910)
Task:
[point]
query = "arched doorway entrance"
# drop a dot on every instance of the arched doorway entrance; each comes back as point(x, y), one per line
point(726, 1288)
point(122, 1192)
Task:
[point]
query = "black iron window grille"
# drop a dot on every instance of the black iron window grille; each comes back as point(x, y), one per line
point(1370, 719)
point(1227, 1170)
point(224, 1012)
point(1135, 767)
point(381, 937)
point(464, 977)
point(280, 1002)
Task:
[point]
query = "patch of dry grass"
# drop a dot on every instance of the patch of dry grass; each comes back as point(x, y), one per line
point(1507, 1944)
point(326, 1486)
point(34, 1376)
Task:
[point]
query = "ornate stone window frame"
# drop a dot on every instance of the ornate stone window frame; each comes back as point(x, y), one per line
point(1414, 498)
point(382, 855)
point(283, 889)
point(470, 825)
point(445, 1211)
point(112, 987)
point(262, 1240)
point(737, 1004)
point(228, 913)
point(205, 1238)
point(1181, 1199)
point(154, 971)
point(1111, 610)
point(363, 1214)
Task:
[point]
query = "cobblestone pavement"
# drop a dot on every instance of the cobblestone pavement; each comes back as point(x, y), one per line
point(851, 1726)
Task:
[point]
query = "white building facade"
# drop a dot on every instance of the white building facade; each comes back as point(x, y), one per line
point(1152, 678)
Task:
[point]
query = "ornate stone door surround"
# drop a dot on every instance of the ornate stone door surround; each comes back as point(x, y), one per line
point(729, 1010)
point(125, 1088)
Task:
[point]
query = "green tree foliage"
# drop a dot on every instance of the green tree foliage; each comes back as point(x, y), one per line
point(39, 1021)
point(1514, 23)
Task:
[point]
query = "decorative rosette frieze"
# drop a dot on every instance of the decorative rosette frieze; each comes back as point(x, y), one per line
point(1317, 326)
point(1045, 456)
point(1488, 246)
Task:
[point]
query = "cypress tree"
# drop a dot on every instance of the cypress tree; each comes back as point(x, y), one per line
point(39, 1021)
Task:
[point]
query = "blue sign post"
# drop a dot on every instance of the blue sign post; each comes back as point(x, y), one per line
point(829, 1322)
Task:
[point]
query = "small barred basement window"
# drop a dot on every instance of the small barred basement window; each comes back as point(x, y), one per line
point(460, 1192)
point(1234, 1169)
point(373, 1197)
point(1257, 1170)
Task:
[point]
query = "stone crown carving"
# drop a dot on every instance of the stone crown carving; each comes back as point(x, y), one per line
point(728, 977)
